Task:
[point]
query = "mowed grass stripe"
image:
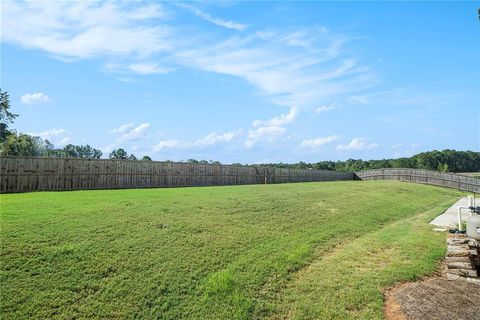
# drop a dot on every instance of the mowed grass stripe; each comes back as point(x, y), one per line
point(355, 272)
point(191, 253)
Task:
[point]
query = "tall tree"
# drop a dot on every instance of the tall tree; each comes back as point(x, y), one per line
point(21, 145)
point(118, 154)
point(86, 152)
point(6, 116)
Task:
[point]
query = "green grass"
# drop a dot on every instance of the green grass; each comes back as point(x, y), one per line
point(303, 251)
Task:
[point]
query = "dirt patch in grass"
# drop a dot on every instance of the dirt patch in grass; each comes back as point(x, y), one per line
point(433, 298)
point(393, 310)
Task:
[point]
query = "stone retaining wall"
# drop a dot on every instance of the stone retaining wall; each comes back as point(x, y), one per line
point(463, 259)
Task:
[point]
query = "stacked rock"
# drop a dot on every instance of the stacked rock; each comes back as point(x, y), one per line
point(462, 258)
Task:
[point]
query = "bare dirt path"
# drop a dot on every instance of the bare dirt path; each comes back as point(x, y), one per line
point(433, 298)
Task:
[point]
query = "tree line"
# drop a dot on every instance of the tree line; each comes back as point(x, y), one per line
point(445, 161)
point(22, 144)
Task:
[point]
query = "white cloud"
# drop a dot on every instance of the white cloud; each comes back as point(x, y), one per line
point(217, 21)
point(140, 68)
point(127, 133)
point(148, 68)
point(34, 98)
point(325, 108)
point(290, 66)
point(168, 144)
point(269, 130)
point(136, 133)
point(122, 128)
point(214, 138)
point(298, 67)
point(263, 134)
point(59, 137)
point(49, 134)
point(318, 142)
point(76, 30)
point(407, 97)
point(208, 140)
point(357, 144)
point(281, 120)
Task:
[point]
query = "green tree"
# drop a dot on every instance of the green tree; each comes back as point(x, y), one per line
point(118, 154)
point(87, 152)
point(147, 158)
point(5, 115)
point(446, 160)
point(442, 167)
point(70, 151)
point(132, 157)
point(21, 145)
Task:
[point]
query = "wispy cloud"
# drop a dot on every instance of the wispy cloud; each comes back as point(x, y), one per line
point(214, 138)
point(207, 141)
point(48, 134)
point(127, 133)
point(290, 68)
point(140, 68)
point(122, 128)
point(318, 142)
point(325, 108)
point(217, 21)
point(34, 98)
point(269, 130)
point(405, 98)
point(168, 144)
point(263, 134)
point(76, 30)
point(59, 137)
point(280, 120)
point(136, 133)
point(148, 68)
point(358, 144)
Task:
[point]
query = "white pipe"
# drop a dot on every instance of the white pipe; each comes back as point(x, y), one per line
point(470, 201)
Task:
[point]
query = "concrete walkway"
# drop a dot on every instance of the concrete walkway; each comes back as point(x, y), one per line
point(449, 219)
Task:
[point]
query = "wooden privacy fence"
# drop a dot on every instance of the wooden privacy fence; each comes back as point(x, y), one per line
point(449, 180)
point(24, 174)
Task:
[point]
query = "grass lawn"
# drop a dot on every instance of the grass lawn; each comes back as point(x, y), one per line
point(302, 251)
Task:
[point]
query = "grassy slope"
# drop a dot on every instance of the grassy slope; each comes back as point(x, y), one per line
point(354, 273)
point(217, 252)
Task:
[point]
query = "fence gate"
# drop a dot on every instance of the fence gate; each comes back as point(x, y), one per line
point(269, 175)
point(265, 175)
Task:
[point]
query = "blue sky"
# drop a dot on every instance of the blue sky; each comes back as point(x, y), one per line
point(246, 82)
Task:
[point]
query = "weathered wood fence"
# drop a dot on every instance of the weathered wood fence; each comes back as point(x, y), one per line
point(24, 174)
point(449, 180)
